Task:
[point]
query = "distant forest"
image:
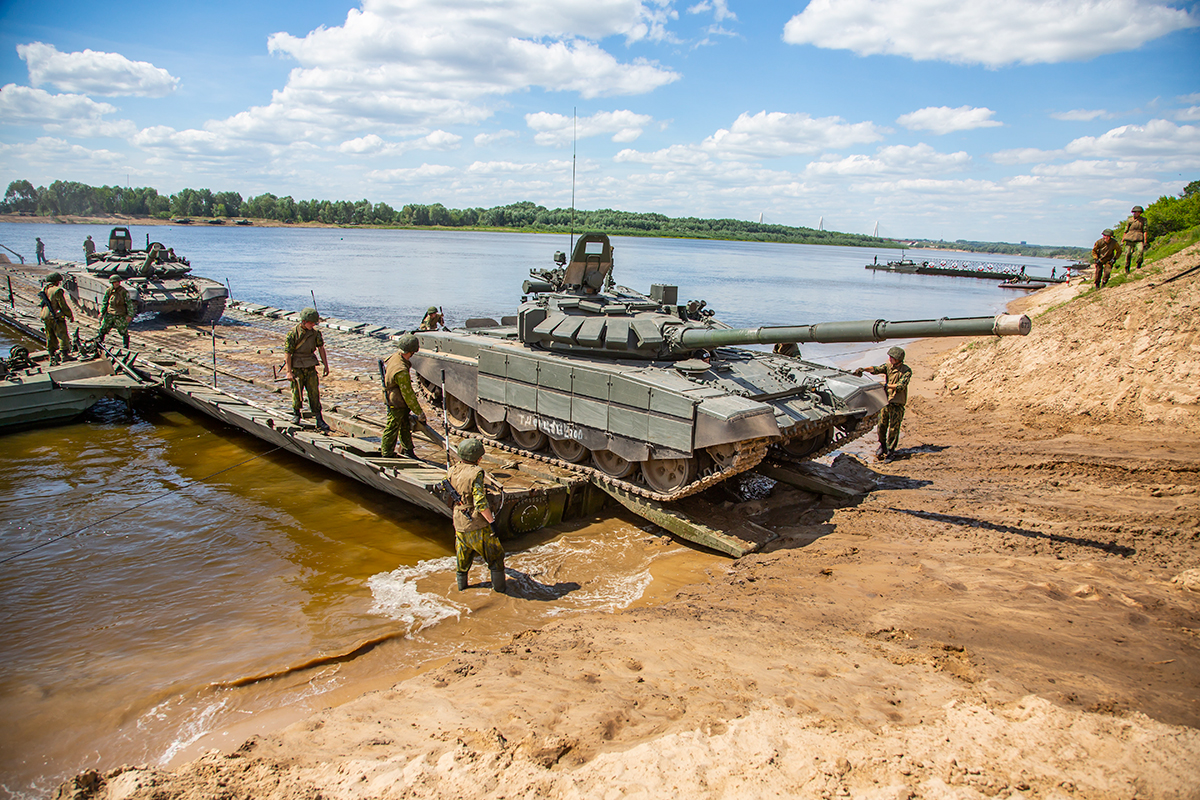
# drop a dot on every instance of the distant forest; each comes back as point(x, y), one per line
point(70, 198)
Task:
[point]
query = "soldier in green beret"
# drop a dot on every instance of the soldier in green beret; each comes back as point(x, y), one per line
point(1136, 237)
point(898, 376)
point(473, 517)
point(300, 362)
point(118, 310)
point(400, 399)
point(1104, 254)
point(433, 320)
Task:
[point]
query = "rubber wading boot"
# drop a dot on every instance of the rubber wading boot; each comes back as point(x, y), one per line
point(498, 580)
point(462, 580)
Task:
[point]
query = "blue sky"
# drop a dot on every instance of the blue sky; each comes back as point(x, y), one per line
point(1011, 120)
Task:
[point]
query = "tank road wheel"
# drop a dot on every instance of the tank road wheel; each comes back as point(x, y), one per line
point(569, 450)
point(667, 475)
point(723, 455)
point(532, 441)
point(459, 415)
point(491, 430)
point(612, 464)
point(800, 448)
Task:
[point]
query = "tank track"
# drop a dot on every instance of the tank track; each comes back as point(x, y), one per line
point(749, 454)
point(211, 311)
point(862, 429)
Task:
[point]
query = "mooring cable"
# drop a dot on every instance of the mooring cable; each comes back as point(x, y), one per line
point(138, 505)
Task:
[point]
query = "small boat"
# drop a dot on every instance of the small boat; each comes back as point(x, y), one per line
point(243, 222)
point(182, 221)
point(1027, 284)
point(40, 394)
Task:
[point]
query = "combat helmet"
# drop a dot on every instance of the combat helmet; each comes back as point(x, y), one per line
point(1139, 209)
point(408, 343)
point(896, 353)
point(431, 310)
point(470, 450)
point(1108, 232)
point(54, 277)
point(310, 315)
point(114, 278)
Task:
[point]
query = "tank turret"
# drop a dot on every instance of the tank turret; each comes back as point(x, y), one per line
point(158, 281)
point(650, 394)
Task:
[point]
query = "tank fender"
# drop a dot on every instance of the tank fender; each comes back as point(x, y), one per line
point(720, 420)
point(213, 293)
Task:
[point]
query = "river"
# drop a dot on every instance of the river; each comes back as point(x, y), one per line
point(193, 559)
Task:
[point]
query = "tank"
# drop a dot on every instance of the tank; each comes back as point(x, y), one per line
point(158, 281)
point(647, 393)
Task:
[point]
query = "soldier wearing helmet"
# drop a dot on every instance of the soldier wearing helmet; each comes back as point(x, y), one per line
point(898, 375)
point(1104, 254)
point(433, 320)
point(300, 350)
point(1136, 237)
point(117, 310)
point(401, 399)
point(473, 518)
point(55, 312)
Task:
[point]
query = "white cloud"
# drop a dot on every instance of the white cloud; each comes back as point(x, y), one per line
point(1157, 139)
point(422, 172)
point(992, 34)
point(942, 119)
point(1189, 98)
point(557, 129)
point(514, 168)
point(59, 155)
point(371, 144)
point(60, 113)
point(91, 72)
point(920, 159)
point(484, 139)
point(675, 155)
point(1082, 115)
point(776, 134)
point(719, 8)
point(1188, 114)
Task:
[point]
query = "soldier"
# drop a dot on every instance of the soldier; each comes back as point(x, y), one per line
point(898, 376)
point(300, 362)
point(400, 399)
point(55, 313)
point(473, 517)
point(118, 310)
point(1136, 237)
point(433, 320)
point(41, 251)
point(89, 249)
point(1104, 254)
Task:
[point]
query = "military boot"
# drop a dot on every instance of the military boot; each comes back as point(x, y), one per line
point(408, 453)
point(295, 418)
point(125, 338)
point(498, 580)
point(321, 424)
point(462, 580)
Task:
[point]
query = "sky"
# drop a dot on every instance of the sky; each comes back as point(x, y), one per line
point(1011, 120)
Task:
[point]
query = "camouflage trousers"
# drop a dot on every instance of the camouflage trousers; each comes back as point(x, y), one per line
point(1103, 271)
point(306, 378)
point(399, 424)
point(57, 337)
point(1132, 249)
point(121, 323)
point(889, 426)
point(482, 541)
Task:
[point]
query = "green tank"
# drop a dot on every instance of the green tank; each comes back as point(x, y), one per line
point(158, 281)
point(650, 394)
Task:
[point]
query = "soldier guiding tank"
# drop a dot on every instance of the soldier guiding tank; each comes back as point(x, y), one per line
point(614, 383)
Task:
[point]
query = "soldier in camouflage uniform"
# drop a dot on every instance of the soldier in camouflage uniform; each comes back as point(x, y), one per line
point(89, 250)
point(473, 518)
point(1104, 254)
point(1136, 237)
point(118, 310)
point(898, 376)
point(400, 399)
point(300, 362)
point(55, 313)
point(432, 321)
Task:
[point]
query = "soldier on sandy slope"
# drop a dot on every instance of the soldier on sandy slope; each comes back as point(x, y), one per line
point(117, 310)
point(898, 375)
point(401, 399)
point(1136, 237)
point(55, 313)
point(300, 361)
point(473, 517)
point(433, 320)
point(1104, 254)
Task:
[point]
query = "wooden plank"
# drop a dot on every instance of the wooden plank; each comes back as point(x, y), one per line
point(685, 527)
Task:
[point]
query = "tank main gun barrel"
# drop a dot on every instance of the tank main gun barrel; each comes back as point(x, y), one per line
point(861, 331)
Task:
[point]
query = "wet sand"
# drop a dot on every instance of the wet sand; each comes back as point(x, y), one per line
point(1013, 611)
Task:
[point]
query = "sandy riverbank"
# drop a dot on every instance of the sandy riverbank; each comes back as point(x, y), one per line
point(1013, 612)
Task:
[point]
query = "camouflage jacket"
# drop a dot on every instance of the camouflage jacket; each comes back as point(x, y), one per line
point(897, 381)
point(1105, 251)
point(301, 344)
point(467, 480)
point(398, 380)
point(56, 306)
point(116, 302)
point(1135, 229)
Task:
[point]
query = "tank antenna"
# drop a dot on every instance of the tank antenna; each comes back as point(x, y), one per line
point(574, 137)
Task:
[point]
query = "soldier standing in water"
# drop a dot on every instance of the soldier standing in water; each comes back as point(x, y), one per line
point(473, 518)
